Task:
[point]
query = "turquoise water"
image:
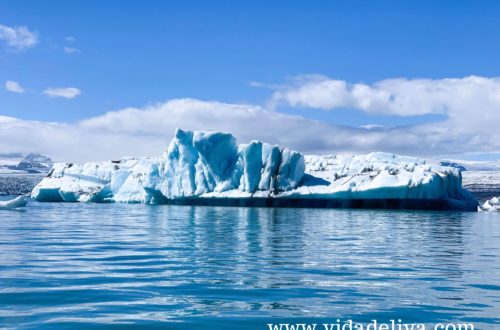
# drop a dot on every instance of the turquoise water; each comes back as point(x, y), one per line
point(180, 267)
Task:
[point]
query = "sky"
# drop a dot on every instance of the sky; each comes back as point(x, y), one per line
point(82, 80)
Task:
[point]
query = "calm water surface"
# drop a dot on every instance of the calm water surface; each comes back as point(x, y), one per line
point(168, 267)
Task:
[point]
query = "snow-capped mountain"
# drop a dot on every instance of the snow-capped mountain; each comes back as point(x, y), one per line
point(17, 163)
point(490, 165)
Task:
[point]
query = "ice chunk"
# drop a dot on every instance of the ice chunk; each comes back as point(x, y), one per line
point(218, 152)
point(15, 203)
point(271, 157)
point(266, 167)
point(250, 163)
point(491, 205)
point(291, 169)
point(197, 163)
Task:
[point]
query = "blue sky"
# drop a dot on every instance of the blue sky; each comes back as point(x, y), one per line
point(135, 53)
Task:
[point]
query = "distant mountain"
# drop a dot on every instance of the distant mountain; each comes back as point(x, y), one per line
point(35, 163)
point(468, 165)
point(17, 163)
point(490, 165)
point(453, 164)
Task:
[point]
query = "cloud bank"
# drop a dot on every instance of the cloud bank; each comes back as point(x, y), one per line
point(455, 97)
point(471, 106)
point(147, 131)
point(18, 37)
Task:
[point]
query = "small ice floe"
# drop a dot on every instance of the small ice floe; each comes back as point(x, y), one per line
point(15, 203)
point(492, 205)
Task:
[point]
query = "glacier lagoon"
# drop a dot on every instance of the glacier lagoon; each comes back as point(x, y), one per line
point(185, 262)
point(176, 267)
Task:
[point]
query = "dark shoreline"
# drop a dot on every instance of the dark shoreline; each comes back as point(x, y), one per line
point(17, 184)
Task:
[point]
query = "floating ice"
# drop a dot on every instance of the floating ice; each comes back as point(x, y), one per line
point(491, 205)
point(210, 166)
point(18, 202)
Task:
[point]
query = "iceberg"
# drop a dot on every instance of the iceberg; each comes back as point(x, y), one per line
point(15, 203)
point(210, 168)
point(491, 205)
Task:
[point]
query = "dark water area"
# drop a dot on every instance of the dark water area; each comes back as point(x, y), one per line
point(93, 266)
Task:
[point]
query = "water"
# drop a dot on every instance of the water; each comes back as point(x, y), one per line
point(180, 267)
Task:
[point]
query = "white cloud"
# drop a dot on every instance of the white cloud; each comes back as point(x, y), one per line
point(401, 97)
point(470, 104)
point(18, 37)
point(70, 39)
point(64, 92)
point(13, 86)
point(71, 50)
point(147, 131)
